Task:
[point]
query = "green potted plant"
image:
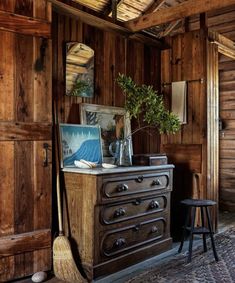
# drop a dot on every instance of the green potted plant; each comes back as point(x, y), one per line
point(144, 104)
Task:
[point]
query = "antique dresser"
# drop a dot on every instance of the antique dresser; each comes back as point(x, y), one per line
point(117, 217)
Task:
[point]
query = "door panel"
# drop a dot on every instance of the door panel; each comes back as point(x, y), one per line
point(25, 146)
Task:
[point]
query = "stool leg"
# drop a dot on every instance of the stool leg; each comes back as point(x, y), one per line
point(184, 231)
point(191, 234)
point(211, 234)
point(203, 235)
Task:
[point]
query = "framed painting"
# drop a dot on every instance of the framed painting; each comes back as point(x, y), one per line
point(113, 121)
point(80, 142)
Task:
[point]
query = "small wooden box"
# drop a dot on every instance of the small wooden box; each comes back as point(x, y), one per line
point(149, 159)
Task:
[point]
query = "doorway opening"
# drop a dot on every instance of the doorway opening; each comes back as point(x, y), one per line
point(226, 197)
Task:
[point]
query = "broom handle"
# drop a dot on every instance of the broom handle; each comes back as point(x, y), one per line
point(59, 204)
point(58, 193)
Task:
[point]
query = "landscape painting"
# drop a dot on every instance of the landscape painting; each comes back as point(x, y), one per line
point(80, 142)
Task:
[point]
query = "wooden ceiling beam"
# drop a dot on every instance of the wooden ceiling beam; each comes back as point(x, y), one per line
point(185, 9)
point(225, 45)
point(157, 4)
point(109, 8)
point(104, 24)
point(169, 29)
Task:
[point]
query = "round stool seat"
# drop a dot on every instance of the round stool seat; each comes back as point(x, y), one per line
point(192, 206)
point(198, 202)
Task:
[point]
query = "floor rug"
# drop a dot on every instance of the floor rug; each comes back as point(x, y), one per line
point(203, 267)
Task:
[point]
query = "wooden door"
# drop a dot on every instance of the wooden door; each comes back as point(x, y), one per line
point(25, 136)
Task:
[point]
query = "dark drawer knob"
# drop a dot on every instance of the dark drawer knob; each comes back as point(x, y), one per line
point(154, 204)
point(119, 212)
point(139, 179)
point(119, 243)
point(137, 201)
point(137, 227)
point(156, 182)
point(154, 229)
point(122, 188)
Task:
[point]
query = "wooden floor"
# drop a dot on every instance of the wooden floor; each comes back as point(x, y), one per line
point(226, 220)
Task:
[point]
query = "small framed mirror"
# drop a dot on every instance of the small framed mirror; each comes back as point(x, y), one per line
point(79, 70)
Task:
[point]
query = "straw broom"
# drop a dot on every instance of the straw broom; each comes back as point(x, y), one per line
point(64, 265)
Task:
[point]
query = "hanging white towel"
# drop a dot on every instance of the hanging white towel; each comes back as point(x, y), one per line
point(179, 100)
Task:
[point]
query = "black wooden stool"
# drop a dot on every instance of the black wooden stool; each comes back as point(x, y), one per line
point(192, 205)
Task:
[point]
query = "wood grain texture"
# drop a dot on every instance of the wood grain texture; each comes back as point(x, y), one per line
point(6, 188)
point(84, 218)
point(105, 24)
point(7, 76)
point(11, 131)
point(24, 25)
point(15, 245)
point(185, 9)
point(25, 125)
point(213, 127)
point(113, 54)
point(187, 149)
point(227, 135)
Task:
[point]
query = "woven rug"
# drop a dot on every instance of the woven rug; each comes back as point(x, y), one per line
point(203, 267)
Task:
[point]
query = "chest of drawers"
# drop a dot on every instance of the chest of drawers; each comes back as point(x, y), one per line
point(117, 217)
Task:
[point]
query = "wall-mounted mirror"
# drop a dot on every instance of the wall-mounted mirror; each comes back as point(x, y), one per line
point(79, 70)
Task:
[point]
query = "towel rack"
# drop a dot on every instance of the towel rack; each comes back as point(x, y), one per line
point(201, 80)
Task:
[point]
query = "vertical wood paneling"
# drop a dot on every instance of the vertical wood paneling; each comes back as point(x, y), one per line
point(120, 67)
point(113, 54)
point(25, 193)
point(23, 210)
point(212, 126)
point(8, 6)
point(42, 200)
point(135, 69)
point(24, 187)
point(6, 188)
point(40, 9)
point(227, 135)
point(7, 76)
point(186, 62)
point(42, 84)
point(24, 80)
point(60, 87)
point(109, 63)
point(99, 65)
point(24, 7)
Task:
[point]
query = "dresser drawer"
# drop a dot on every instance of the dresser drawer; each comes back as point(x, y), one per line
point(135, 184)
point(115, 242)
point(111, 214)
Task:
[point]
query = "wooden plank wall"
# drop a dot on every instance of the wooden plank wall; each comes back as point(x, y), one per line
point(25, 125)
point(223, 21)
point(113, 54)
point(227, 134)
point(187, 149)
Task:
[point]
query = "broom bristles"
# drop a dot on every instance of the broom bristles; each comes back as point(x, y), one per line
point(64, 265)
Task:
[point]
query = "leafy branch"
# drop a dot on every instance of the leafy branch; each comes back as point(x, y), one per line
point(79, 87)
point(145, 105)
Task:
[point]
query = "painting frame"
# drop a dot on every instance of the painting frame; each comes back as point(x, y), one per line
point(108, 114)
point(80, 142)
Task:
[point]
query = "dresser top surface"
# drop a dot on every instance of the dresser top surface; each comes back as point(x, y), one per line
point(103, 171)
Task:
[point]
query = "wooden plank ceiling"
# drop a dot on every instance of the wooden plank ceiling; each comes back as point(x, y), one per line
point(160, 18)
